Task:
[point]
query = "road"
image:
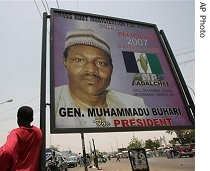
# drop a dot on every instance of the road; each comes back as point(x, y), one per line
point(155, 164)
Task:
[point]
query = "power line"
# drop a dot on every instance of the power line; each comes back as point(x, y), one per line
point(44, 5)
point(19, 105)
point(191, 81)
point(10, 116)
point(57, 4)
point(38, 9)
point(186, 48)
point(185, 62)
point(47, 6)
point(185, 53)
point(36, 109)
point(23, 104)
point(77, 5)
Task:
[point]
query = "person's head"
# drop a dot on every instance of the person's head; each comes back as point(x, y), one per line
point(24, 116)
point(87, 59)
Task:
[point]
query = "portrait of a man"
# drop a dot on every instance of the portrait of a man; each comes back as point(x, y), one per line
point(88, 64)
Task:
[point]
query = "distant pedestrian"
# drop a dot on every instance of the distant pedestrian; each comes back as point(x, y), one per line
point(80, 157)
point(88, 160)
point(171, 152)
point(53, 162)
point(21, 152)
point(168, 154)
point(118, 158)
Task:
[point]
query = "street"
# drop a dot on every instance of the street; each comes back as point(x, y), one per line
point(155, 164)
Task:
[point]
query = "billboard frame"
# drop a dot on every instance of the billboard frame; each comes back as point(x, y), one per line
point(189, 105)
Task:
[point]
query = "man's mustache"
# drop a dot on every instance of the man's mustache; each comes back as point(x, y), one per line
point(90, 76)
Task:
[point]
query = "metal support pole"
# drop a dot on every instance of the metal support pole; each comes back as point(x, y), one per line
point(43, 93)
point(183, 84)
point(95, 156)
point(84, 152)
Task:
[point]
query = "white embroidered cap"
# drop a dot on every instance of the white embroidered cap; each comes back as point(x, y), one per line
point(86, 37)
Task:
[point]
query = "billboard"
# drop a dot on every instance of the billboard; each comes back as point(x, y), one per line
point(110, 74)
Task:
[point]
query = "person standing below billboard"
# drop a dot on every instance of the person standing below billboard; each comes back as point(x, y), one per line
point(23, 146)
point(87, 60)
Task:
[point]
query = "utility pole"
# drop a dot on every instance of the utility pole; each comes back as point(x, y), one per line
point(84, 152)
point(95, 156)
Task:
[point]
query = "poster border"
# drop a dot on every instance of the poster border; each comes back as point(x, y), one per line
point(53, 129)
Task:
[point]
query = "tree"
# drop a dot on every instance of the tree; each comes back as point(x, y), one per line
point(152, 144)
point(54, 147)
point(135, 143)
point(184, 136)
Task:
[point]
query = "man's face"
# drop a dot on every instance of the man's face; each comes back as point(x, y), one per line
point(89, 69)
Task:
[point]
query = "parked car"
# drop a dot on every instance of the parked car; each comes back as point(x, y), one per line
point(60, 162)
point(181, 150)
point(102, 159)
point(192, 146)
point(72, 161)
point(62, 165)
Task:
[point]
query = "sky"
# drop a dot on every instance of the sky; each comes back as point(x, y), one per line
point(20, 58)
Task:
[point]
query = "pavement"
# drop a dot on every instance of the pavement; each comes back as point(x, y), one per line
point(112, 165)
point(154, 164)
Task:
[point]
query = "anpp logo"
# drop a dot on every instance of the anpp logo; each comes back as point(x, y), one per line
point(146, 66)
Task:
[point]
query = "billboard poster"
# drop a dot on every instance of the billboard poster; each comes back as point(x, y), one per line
point(110, 74)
